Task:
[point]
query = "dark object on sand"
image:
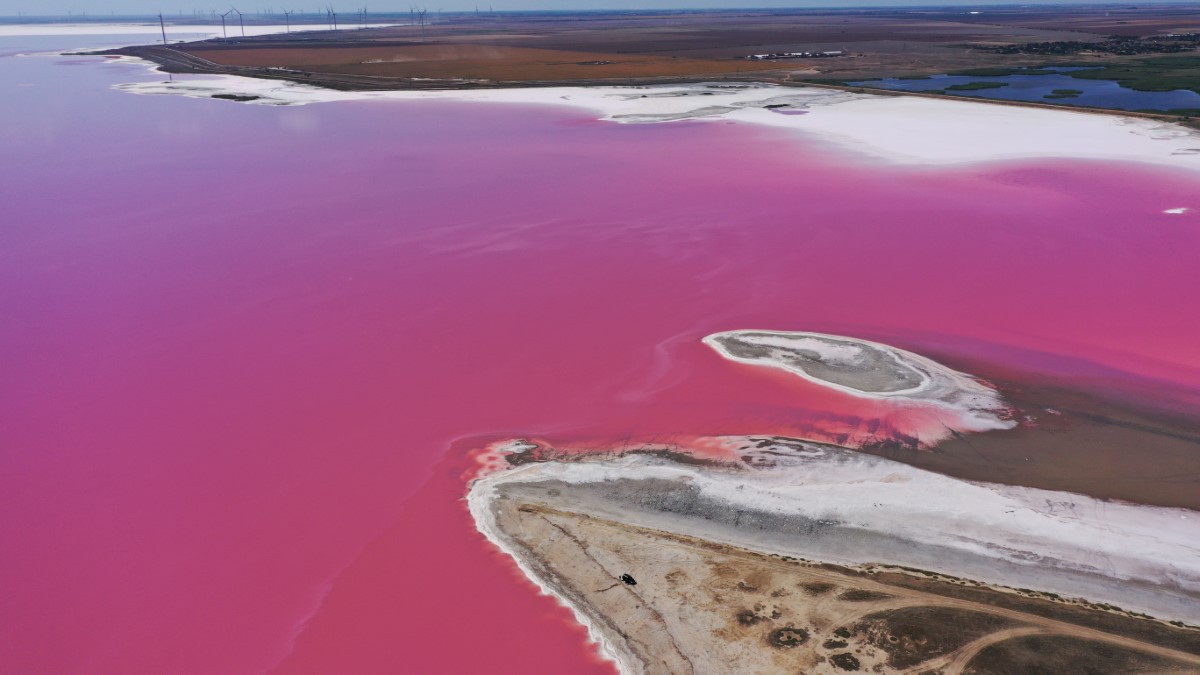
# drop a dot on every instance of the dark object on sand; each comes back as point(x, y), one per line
point(629, 581)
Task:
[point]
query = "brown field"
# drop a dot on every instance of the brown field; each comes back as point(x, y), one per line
point(631, 48)
point(548, 48)
point(453, 60)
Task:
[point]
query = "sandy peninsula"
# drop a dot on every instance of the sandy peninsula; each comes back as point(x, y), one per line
point(820, 559)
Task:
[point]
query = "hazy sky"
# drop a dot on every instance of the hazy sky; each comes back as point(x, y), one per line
point(10, 8)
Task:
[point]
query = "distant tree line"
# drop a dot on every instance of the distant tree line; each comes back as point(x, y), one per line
point(1121, 45)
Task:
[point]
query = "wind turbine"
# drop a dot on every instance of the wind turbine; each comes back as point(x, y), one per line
point(224, 33)
point(287, 16)
point(241, 21)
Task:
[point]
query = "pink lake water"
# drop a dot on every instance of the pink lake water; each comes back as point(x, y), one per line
point(248, 352)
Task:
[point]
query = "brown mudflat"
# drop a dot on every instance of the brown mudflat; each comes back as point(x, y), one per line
point(1089, 436)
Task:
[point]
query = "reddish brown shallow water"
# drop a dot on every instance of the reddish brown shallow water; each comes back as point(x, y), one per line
point(247, 350)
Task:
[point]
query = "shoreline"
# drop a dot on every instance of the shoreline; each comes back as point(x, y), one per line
point(923, 131)
point(484, 518)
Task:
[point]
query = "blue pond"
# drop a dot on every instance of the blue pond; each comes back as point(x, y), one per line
point(1022, 87)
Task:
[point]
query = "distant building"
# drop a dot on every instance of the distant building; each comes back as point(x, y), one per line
point(793, 55)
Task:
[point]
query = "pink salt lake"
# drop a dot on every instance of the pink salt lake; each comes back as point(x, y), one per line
point(248, 351)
